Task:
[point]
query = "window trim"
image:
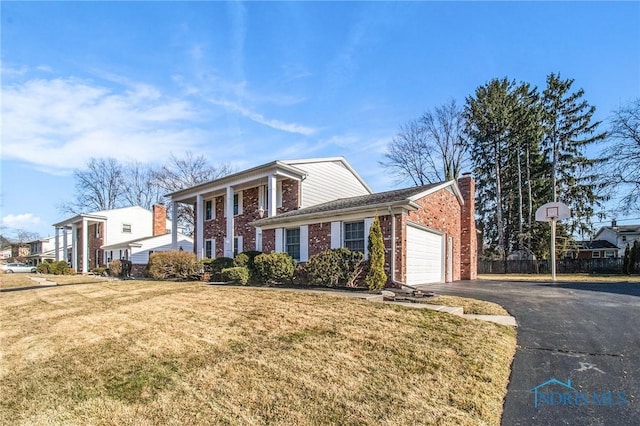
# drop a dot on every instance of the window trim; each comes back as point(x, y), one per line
point(595, 254)
point(126, 226)
point(212, 248)
point(346, 240)
point(287, 244)
point(209, 210)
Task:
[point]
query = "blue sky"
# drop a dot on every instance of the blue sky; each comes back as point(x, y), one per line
point(248, 83)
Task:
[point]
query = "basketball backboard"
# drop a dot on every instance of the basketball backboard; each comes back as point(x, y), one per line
point(553, 211)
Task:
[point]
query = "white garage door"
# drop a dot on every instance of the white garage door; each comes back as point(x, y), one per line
point(424, 256)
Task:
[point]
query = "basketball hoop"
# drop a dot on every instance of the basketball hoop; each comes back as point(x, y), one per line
point(553, 212)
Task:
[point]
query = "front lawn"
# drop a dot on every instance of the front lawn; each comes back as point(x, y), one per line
point(141, 352)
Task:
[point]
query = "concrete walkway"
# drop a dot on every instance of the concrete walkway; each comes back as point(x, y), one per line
point(453, 310)
point(43, 281)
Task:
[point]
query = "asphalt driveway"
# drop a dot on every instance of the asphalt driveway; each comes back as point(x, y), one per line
point(583, 332)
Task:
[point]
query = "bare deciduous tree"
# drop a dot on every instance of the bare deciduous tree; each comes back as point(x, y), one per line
point(623, 155)
point(140, 187)
point(181, 173)
point(97, 187)
point(429, 149)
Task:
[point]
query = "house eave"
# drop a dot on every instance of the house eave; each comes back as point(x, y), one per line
point(254, 172)
point(380, 209)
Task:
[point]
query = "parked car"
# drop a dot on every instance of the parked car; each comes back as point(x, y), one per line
point(10, 268)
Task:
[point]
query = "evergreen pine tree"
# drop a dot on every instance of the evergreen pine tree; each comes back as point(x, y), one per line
point(634, 254)
point(376, 277)
point(625, 262)
point(568, 130)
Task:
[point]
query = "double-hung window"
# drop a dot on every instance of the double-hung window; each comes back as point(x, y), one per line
point(208, 210)
point(208, 249)
point(126, 228)
point(354, 236)
point(292, 243)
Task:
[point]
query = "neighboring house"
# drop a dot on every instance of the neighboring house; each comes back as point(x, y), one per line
point(44, 249)
point(619, 235)
point(304, 207)
point(5, 248)
point(139, 250)
point(596, 249)
point(89, 233)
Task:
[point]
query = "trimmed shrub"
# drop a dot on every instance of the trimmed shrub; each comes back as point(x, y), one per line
point(99, 270)
point(115, 268)
point(237, 274)
point(274, 268)
point(173, 265)
point(247, 258)
point(43, 268)
point(335, 267)
point(215, 266)
point(376, 277)
point(60, 268)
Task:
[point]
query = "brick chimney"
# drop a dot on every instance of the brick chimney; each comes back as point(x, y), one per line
point(468, 235)
point(159, 220)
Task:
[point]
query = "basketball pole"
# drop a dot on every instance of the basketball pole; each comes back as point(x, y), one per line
point(553, 249)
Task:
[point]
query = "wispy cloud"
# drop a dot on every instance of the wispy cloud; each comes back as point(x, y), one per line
point(259, 118)
point(58, 124)
point(20, 221)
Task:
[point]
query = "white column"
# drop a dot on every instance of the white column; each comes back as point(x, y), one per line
point(272, 194)
point(228, 241)
point(199, 226)
point(174, 225)
point(65, 244)
point(57, 244)
point(74, 246)
point(85, 246)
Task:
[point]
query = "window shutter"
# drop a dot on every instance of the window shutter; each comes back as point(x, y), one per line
point(336, 235)
point(239, 249)
point(258, 239)
point(304, 243)
point(239, 204)
point(279, 240)
point(279, 194)
point(367, 228)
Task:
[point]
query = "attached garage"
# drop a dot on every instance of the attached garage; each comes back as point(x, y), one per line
point(425, 256)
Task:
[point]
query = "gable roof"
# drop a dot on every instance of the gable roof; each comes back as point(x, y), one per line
point(621, 229)
point(100, 215)
point(595, 245)
point(400, 197)
point(295, 168)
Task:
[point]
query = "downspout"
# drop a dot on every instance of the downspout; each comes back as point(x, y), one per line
point(393, 254)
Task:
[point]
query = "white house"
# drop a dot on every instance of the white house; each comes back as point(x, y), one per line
point(139, 250)
point(619, 235)
point(91, 231)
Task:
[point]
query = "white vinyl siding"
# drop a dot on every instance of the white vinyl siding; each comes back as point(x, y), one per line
point(140, 255)
point(327, 181)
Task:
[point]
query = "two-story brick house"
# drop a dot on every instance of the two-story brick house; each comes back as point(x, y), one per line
point(86, 234)
point(303, 207)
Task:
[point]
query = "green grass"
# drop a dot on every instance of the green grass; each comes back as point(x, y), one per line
point(140, 352)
